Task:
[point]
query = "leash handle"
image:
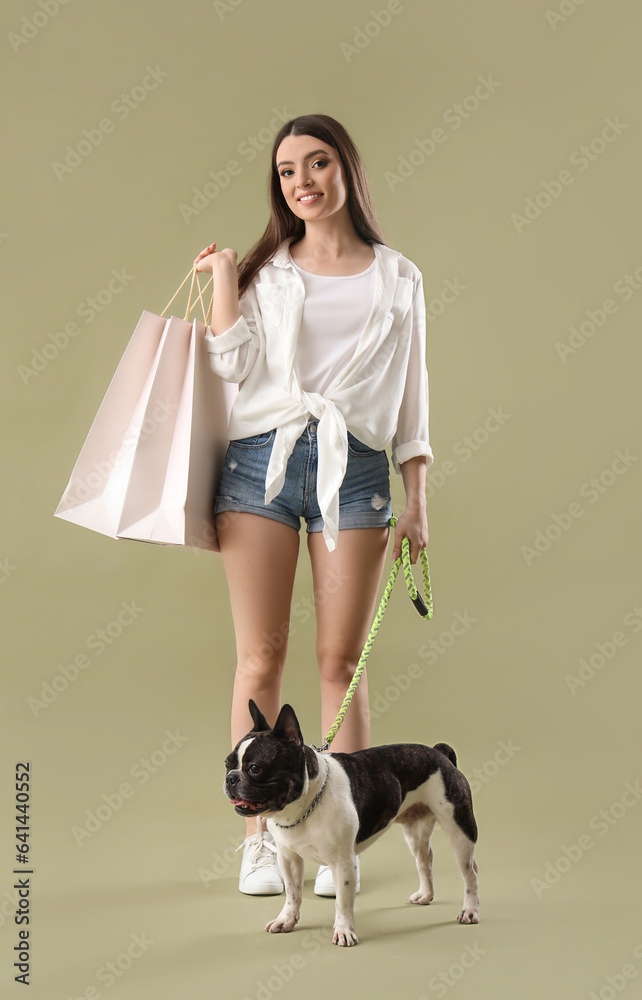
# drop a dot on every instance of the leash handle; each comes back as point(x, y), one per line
point(423, 604)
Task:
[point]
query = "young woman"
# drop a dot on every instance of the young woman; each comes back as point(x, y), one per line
point(323, 327)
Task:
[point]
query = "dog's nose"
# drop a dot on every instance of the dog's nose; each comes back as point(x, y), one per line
point(232, 778)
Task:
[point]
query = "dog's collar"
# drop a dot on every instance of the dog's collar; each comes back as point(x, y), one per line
point(313, 805)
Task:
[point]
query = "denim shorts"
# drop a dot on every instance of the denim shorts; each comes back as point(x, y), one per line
point(364, 495)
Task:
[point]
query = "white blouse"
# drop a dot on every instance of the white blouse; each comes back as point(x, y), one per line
point(380, 394)
point(335, 312)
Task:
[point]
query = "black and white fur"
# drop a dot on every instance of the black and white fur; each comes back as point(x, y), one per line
point(272, 773)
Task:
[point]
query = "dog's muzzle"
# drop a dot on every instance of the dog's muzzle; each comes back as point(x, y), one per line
point(242, 805)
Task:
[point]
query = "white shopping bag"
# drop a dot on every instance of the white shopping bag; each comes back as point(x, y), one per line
point(150, 465)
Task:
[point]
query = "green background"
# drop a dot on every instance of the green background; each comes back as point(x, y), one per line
point(493, 347)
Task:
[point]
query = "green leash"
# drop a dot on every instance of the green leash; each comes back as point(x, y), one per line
point(423, 606)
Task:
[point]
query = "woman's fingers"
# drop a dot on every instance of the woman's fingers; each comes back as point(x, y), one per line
point(415, 548)
point(205, 253)
point(227, 254)
point(396, 551)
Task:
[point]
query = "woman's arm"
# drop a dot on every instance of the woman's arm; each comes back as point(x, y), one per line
point(232, 339)
point(413, 523)
point(225, 304)
point(411, 451)
point(411, 437)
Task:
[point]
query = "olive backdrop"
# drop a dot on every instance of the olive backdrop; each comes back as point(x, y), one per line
point(502, 142)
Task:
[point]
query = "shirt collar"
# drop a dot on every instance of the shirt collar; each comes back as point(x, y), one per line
point(281, 256)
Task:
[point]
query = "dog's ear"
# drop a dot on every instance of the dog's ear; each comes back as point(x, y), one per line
point(259, 720)
point(287, 726)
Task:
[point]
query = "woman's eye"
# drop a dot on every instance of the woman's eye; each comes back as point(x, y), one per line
point(322, 163)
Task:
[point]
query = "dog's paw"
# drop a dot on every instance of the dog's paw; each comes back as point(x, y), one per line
point(282, 925)
point(468, 916)
point(344, 936)
point(422, 898)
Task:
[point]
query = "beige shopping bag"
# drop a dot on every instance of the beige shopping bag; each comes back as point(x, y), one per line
point(150, 465)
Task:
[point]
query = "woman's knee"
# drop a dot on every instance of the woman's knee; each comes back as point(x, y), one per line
point(336, 667)
point(258, 668)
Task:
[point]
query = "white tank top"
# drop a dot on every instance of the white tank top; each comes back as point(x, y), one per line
point(335, 312)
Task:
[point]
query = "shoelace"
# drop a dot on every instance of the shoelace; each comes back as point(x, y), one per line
point(257, 858)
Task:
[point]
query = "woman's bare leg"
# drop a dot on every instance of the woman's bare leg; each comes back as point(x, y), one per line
point(259, 556)
point(346, 582)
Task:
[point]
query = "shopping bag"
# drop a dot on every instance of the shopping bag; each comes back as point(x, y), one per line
point(150, 465)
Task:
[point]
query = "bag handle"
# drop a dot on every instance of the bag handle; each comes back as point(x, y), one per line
point(190, 305)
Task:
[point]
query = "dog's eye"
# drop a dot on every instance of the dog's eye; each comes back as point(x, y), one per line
point(254, 769)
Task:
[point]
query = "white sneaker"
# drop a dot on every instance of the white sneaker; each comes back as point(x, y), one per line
point(260, 875)
point(324, 883)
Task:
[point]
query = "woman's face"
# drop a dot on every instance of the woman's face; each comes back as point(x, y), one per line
point(306, 166)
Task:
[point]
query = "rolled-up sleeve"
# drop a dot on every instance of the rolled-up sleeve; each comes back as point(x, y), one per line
point(412, 435)
point(233, 352)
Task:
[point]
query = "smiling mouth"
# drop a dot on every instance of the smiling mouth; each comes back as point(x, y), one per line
point(308, 199)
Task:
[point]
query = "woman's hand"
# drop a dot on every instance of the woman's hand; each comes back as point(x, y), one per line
point(208, 258)
point(225, 299)
point(411, 525)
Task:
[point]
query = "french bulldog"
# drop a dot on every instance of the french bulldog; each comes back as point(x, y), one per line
point(330, 806)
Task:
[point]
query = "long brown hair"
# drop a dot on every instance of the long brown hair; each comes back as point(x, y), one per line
point(283, 222)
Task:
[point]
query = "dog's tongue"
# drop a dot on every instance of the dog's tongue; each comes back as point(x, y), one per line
point(244, 802)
